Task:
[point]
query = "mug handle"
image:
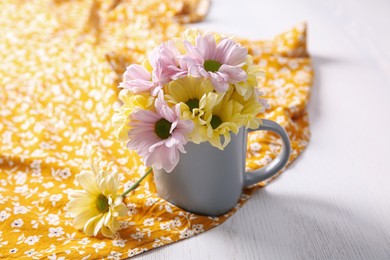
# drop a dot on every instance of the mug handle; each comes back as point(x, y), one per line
point(278, 163)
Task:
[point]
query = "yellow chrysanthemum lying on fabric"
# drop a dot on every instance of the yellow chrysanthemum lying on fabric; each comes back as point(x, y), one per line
point(98, 205)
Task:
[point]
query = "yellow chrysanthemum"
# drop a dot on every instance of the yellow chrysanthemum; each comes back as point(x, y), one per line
point(179, 44)
point(130, 101)
point(250, 109)
point(147, 66)
point(190, 35)
point(223, 118)
point(247, 88)
point(194, 95)
point(98, 205)
point(188, 91)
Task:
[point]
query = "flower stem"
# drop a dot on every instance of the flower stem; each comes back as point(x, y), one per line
point(135, 185)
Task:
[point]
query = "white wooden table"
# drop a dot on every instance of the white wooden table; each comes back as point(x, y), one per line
point(334, 201)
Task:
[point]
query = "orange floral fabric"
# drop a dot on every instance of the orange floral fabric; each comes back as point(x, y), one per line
point(61, 62)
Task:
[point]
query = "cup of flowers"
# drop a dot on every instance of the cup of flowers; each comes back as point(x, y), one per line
point(186, 111)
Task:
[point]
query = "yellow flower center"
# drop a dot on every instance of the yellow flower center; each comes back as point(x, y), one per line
point(102, 203)
point(211, 65)
point(215, 121)
point(162, 128)
point(192, 103)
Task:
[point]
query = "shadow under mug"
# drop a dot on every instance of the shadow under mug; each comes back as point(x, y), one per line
point(209, 181)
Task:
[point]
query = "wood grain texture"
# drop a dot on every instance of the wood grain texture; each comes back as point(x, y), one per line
point(334, 201)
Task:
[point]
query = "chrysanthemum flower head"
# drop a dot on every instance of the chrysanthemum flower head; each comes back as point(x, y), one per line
point(193, 95)
point(188, 91)
point(166, 63)
point(220, 62)
point(248, 87)
point(223, 119)
point(159, 136)
point(98, 205)
point(251, 107)
point(138, 80)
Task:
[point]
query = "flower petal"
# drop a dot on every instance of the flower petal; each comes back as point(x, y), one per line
point(111, 186)
point(98, 226)
point(75, 206)
point(107, 217)
point(87, 181)
point(78, 194)
point(236, 56)
point(207, 46)
point(121, 209)
point(82, 218)
point(138, 86)
point(114, 225)
point(89, 226)
point(107, 232)
point(135, 71)
point(236, 74)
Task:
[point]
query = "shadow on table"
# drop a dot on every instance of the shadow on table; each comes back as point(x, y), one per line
point(293, 227)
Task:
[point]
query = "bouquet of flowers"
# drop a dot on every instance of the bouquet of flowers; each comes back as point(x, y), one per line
point(198, 88)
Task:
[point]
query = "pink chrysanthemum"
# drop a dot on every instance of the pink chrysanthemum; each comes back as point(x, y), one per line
point(166, 67)
point(137, 79)
point(166, 63)
point(159, 136)
point(220, 62)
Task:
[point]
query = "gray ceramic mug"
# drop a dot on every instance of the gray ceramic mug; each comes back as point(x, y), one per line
point(209, 181)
